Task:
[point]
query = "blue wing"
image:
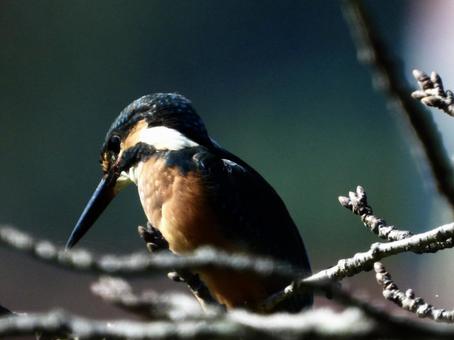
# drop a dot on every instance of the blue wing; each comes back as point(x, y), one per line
point(253, 212)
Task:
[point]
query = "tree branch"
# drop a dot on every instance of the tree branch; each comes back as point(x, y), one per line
point(377, 251)
point(357, 203)
point(141, 263)
point(407, 300)
point(372, 51)
point(429, 242)
point(360, 321)
point(58, 323)
point(209, 257)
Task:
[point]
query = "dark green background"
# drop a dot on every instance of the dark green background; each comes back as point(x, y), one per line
point(277, 83)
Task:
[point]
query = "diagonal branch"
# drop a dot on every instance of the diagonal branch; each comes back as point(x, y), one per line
point(360, 321)
point(208, 257)
point(58, 322)
point(407, 300)
point(419, 243)
point(61, 324)
point(377, 251)
point(142, 263)
point(373, 52)
point(357, 203)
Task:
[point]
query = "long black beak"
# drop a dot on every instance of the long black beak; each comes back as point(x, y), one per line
point(100, 199)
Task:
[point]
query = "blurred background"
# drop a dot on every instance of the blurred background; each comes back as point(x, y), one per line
point(277, 83)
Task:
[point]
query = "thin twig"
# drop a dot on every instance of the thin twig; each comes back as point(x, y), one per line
point(360, 321)
point(317, 324)
point(372, 51)
point(364, 261)
point(357, 203)
point(430, 241)
point(62, 324)
point(209, 257)
point(407, 300)
point(141, 263)
point(419, 243)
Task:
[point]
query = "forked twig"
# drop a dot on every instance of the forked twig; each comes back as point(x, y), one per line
point(357, 203)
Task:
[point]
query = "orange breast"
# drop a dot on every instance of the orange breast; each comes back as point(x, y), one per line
point(178, 206)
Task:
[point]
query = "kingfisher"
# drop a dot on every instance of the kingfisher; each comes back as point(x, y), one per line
point(196, 194)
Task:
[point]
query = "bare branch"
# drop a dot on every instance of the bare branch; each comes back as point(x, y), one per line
point(372, 51)
point(142, 263)
point(316, 324)
point(357, 203)
point(79, 259)
point(209, 257)
point(407, 300)
point(364, 261)
point(206, 257)
point(432, 92)
point(362, 321)
point(431, 241)
point(60, 323)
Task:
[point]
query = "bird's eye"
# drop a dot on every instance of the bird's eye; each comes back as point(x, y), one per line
point(114, 144)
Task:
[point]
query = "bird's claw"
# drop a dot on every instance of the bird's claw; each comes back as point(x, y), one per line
point(174, 276)
point(153, 238)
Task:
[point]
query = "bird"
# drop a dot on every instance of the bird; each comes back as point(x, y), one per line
point(196, 193)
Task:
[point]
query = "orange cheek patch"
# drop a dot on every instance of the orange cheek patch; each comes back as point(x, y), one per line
point(134, 135)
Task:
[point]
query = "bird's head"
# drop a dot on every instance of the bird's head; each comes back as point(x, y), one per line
point(157, 122)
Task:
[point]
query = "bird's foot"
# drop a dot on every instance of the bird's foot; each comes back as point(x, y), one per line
point(197, 287)
point(153, 238)
point(156, 242)
point(174, 276)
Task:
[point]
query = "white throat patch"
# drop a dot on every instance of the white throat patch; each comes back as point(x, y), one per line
point(132, 175)
point(164, 138)
point(161, 138)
